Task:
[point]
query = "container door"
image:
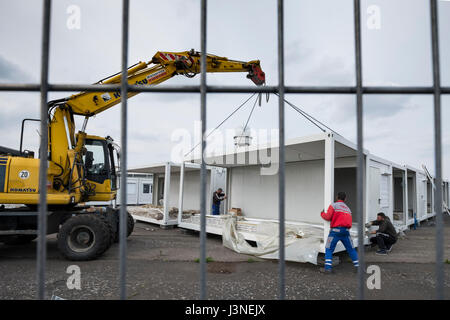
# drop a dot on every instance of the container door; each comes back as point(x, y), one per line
point(132, 191)
point(384, 194)
point(421, 212)
point(374, 197)
point(160, 194)
point(429, 198)
point(145, 191)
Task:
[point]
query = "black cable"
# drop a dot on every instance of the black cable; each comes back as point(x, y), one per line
point(248, 119)
point(309, 117)
point(305, 115)
point(220, 124)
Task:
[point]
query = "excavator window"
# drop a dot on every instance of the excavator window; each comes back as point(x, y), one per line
point(113, 162)
point(96, 161)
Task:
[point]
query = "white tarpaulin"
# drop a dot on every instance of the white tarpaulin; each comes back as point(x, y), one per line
point(302, 243)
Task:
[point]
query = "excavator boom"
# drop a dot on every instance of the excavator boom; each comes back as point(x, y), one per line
point(163, 66)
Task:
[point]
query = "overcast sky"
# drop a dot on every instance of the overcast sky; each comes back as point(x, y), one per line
point(319, 51)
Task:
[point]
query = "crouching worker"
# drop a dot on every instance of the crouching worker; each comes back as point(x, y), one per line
point(340, 218)
point(385, 236)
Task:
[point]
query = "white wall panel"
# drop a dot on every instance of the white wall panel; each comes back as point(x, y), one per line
point(257, 195)
point(191, 198)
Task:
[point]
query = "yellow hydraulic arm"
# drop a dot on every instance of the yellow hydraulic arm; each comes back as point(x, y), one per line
point(163, 66)
point(66, 148)
point(67, 177)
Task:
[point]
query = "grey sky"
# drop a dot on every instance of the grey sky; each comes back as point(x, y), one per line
point(319, 51)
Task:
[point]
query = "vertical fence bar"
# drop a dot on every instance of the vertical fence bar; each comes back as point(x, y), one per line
point(43, 154)
point(437, 152)
point(203, 165)
point(281, 173)
point(360, 154)
point(124, 148)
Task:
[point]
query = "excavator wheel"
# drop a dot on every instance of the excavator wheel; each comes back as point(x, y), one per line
point(110, 225)
point(130, 224)
point(84, 237)
point(19, 239)
point(130, 227)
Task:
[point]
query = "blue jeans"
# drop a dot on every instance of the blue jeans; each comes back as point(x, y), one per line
point(216, 209)
point(339, 234)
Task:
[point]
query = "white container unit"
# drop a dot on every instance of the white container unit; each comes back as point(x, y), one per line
point(317, 167)
point(139, 189)
point(417, 184)
point(176, 188)
point(400, 192)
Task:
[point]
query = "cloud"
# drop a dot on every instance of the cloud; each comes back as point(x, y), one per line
point(14, 107)
point(10, 72)
point(319, 51)
point(383, 106)
point(314, 66)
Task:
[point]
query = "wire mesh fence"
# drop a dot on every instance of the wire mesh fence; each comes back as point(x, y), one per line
point(203, 89)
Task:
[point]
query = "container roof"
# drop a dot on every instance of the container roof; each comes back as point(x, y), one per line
point(161, 168)
point(298, 149)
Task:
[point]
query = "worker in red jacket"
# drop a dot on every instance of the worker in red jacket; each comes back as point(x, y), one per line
point(340, 216)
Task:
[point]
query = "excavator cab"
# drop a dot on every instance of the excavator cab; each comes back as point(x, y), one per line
point(100, 160)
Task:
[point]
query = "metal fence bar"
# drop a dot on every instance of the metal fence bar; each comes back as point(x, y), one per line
point(203, 91)
point(360, 154)
point(223, 89)
point(124, 149)
point(43, 154)
point(281, 172)
point(437, 152)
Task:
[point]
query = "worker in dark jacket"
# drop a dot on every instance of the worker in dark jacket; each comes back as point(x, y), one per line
point(340, 217)
point(218, 196)
point(385, 236)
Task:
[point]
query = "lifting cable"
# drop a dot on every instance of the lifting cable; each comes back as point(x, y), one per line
point(258, 98)
point(303, 113)
point(310, 117)
point(220, 124)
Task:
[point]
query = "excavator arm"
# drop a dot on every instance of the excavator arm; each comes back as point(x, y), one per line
point(67, 149)
point(163, 66)
point(81, 167)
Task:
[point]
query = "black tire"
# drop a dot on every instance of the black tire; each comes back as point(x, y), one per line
point(19, 239)
point(84, 237)
point(112, 233)
point(130, 227)
point(130, 224)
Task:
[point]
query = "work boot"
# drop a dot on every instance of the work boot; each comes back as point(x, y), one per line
point(381, 252)
point(326, 271)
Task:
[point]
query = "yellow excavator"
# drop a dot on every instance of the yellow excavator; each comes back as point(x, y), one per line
point(82, 167)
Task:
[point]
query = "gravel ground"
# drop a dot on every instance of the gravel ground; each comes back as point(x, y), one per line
point(162, 265)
